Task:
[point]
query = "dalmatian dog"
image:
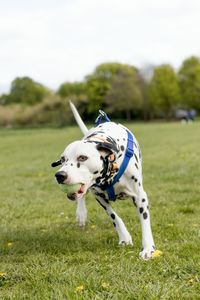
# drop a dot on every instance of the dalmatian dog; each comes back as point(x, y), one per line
point(94, 163)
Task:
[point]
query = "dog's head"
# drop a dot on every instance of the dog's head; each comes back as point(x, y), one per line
point(85, 163)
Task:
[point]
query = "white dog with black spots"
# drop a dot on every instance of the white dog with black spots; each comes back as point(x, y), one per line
point(92, 163)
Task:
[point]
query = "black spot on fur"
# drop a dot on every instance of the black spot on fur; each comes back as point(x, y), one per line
point(136, 166)
point(120, 155)
point(122, 147)
point(139, 184)
point(134, 201)
point(102, 195)
point(96, 172)
point(141, 210)
point(136, 157)
point(112, 216)
point(78, 165)
point(71, 164)
point(148, 207)
point(114, 224)
point(104, 207)
point(135, 179)
point(143, 200)
point(98, 179)
point(145, 215)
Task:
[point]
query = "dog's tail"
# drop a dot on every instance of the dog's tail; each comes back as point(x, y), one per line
point(78, 119)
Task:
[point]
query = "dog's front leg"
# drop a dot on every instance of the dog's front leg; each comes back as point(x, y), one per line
point(141, 201)
point(124, 235)
point(81, 212)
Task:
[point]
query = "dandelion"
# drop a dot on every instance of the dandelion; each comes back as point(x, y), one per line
point(157, 253)
point(9, 244)
point(79, 289)
point(93, 226)
point(190, 281)
point(105, 285)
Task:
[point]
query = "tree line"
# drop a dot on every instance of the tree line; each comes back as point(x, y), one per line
point(122, 90)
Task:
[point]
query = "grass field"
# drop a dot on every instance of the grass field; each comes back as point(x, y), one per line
point(45, 255)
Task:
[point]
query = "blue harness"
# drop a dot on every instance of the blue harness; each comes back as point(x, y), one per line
point(128, 154)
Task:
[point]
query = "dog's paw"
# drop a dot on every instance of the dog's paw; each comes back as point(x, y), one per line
point(147, 253)
point(126, 240)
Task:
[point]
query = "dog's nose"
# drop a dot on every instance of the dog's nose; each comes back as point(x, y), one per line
point(61, 176)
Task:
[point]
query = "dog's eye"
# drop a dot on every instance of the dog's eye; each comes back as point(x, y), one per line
point(82, 158)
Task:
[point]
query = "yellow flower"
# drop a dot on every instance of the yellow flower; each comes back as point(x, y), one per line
point(93, 226)
point(157, 253)
point(79, 289)
point(2, 274)
point(191, 280)
point(9, 244)
point(105, 285)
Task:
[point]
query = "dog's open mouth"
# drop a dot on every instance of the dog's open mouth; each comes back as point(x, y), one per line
point(78, 194)
point(74, 191)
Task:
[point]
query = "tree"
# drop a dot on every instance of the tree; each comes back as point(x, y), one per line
point(72, 88)
point(189, 80)
point(164, 90)
point(99, 83)
point(124, 96)
point(26, 91)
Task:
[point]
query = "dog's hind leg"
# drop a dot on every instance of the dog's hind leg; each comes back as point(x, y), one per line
point(81, 212)
point(141, 202)
point(124, 235)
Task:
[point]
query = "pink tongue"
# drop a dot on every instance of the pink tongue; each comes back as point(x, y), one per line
point(81, 190)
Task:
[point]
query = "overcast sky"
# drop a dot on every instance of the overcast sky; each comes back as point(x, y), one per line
point(54, 41)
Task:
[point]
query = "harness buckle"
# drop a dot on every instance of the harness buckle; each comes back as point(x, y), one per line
point(102, 116)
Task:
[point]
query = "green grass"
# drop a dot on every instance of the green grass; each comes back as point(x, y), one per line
point(45, 255)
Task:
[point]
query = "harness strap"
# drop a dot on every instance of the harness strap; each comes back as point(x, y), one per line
point(128, 154)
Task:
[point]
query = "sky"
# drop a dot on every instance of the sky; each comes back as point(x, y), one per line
point(55, 41)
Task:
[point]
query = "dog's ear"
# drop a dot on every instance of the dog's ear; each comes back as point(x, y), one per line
point(56, 163)
point(107, 147)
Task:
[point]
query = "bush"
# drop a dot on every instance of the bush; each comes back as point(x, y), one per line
point(51, 111)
